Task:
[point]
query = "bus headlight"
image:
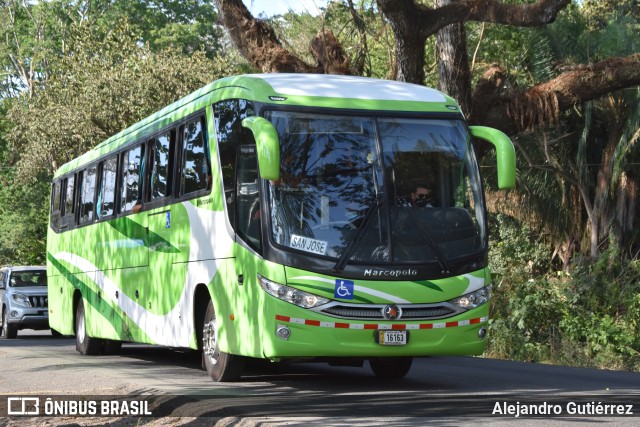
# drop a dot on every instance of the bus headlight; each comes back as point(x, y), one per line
point(473, 299)
point(21, 299)
point(291, 295)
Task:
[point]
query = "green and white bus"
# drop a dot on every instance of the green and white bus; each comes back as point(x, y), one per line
point(274, 216)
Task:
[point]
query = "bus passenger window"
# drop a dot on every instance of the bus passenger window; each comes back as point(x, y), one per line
point(87, 195)
point(55, 204)
point(55, 197)
point(131, 181)
point(107, 193)
point(162, 166)
point(69, 187)
point(195, 159)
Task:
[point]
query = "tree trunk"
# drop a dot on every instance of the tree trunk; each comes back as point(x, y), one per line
point(405, 18)
point(602, 224)
point(454, 75)
point(626, 207)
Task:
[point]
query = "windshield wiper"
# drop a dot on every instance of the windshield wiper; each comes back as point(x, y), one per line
point(371, 210)
point(424, 233)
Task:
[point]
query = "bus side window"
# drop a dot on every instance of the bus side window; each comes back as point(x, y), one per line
point(230, 134)
point(69, 186)
point(107, 192)
point(68, 201)
point(248, 209)
point(56, 196)
point(195, 158)
point(131, 181)
point(87, 194)
point(161, 149)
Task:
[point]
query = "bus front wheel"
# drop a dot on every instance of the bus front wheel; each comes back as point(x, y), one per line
point(391, 367)
point(85, 344)
point(220, 366)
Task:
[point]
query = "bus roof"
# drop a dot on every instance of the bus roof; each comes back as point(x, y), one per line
point(314, 90)
point(352, 87)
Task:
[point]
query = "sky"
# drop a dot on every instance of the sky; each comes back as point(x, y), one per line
point(278, 7)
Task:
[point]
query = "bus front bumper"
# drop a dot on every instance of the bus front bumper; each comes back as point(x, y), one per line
point(302, 333)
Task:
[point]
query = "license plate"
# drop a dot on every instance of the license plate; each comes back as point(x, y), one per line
point(392, 337)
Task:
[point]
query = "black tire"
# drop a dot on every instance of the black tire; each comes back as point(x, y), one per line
point(85, 344)
point(8, 331)
point(391, 367)
point(221, 366)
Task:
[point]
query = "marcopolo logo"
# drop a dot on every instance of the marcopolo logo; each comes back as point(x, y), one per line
point(370, 272)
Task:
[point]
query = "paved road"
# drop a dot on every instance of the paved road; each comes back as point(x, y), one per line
point(461, 390)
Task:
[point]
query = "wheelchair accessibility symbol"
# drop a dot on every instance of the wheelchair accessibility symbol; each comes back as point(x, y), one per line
point(343, 289)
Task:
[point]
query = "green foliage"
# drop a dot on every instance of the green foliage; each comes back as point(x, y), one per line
point(22, 221)
point(22, 235)
point(185, 25)
point(517, 248)
point(99, 79)
point(369, 42)
point(101, 86)
point(588, 316)
point(34, 34)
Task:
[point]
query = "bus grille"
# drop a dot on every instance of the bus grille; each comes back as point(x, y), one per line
point(375, 312)
point(38, 301)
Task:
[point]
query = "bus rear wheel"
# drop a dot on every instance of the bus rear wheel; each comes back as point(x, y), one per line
point(220, 366)
point(85, 344)
point(390, 367)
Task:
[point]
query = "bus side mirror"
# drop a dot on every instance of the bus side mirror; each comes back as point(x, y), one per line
point(267, 146)
point(505, 154)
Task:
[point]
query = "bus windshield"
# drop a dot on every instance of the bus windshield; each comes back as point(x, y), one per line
point(376, 190)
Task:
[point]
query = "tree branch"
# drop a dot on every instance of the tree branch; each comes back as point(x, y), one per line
point(258, 43)
point(430, 20)
point(535, 14)
point(541, 104)
point(412, 23)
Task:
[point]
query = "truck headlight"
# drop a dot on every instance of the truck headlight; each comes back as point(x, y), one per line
point(21, 299)
point(291, 295)
point(473, 299)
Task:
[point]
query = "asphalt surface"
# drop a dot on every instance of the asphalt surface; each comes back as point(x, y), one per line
point(442, 390)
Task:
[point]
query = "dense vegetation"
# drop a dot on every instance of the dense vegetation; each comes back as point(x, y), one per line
point(565, 244)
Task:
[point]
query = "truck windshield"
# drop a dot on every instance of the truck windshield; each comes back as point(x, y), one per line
point(375, 190)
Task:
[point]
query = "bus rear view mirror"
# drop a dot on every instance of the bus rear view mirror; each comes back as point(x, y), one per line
point(267, 146)
point(505, 154)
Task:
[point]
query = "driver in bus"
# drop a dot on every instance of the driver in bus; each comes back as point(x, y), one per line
point(421, 196)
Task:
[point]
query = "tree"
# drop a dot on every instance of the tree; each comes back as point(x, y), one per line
point(100, 87)
point(22, 235)
point(494, 100)
point(258, 43)
point(33, 34)
point(578, 176)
